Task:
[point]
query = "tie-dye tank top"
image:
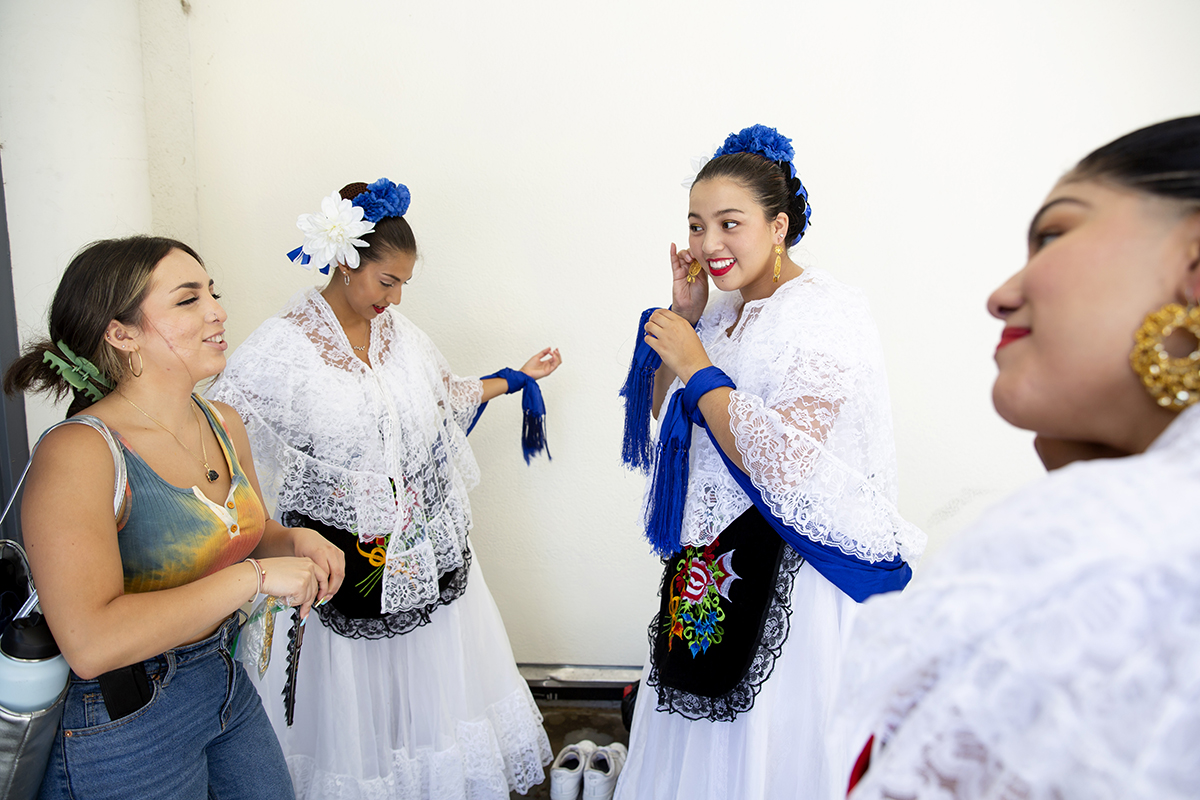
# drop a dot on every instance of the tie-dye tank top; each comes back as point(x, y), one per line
point(169, 536)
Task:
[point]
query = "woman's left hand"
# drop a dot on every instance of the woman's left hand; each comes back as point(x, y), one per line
point(676, 342)
point(543, 363)
point(310, 544)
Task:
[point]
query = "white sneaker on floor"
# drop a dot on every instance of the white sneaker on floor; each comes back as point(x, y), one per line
point(566, 773)
point(600, 776)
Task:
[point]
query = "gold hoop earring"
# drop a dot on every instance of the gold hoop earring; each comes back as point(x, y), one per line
point(1174, 383)
point(693, 271)
point(778, 261)
point(346, 277)
point(141, 364)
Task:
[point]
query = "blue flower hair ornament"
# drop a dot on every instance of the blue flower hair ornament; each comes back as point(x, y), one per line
point(773, 145)
point(332, 235)
point(758, 139)
point(383, 199)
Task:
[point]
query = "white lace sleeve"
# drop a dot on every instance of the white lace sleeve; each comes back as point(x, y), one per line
point(466, 395)
point(814, 452)
point(1051, 652)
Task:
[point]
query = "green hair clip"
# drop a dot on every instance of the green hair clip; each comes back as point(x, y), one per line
point(80, 373)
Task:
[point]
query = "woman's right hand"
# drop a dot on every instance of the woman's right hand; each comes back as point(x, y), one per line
point(687, 299)
point(295, 579)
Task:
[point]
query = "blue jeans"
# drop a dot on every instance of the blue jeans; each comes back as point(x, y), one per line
point(203, 734)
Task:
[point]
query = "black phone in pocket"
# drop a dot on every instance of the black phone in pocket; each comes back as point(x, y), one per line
point(125, 690)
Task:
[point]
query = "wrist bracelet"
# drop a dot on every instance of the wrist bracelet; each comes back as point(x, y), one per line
point(260, 572)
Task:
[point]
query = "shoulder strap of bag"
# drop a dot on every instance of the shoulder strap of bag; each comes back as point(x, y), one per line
point(120, 477)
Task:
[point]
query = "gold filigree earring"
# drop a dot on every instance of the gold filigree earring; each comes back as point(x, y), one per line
point(778, 261)
point(693, 271)
point(1174, 383)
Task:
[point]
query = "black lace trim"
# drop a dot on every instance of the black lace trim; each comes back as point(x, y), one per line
point(401, 622)
point(740, 698)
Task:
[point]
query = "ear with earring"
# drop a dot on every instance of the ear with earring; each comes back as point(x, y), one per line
point(778, 258)
point(1174, 383)
point(120, 336)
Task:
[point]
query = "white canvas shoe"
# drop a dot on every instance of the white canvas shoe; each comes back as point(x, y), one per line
point(566, 773)
point(600, 776)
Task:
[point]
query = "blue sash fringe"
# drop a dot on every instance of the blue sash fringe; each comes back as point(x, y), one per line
point(533, 425)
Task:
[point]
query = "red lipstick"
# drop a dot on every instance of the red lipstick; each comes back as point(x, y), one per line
point(1010, 335)
point(717, 272)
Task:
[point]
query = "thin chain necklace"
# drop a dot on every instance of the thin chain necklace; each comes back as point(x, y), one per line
point(209, 472)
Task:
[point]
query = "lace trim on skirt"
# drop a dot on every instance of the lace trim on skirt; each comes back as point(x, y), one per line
point(401, 622)
point(503, 751)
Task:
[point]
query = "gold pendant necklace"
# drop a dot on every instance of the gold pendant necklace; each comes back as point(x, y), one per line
point(209, 472)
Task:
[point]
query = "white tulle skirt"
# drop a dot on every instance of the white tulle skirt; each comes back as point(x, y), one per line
point(778, 748)
point(440, 712)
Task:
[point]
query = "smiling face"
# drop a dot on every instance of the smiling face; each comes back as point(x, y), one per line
point(376, 284)
point(733, 239)
point(182, 330)
point(1100, 258)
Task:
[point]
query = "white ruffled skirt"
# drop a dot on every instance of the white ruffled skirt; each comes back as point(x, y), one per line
point(440, 712)
point(777, 749)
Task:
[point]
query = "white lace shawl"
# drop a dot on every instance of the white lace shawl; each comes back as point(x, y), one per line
point(811, 419)
point(376, 451)
point(1053, 651)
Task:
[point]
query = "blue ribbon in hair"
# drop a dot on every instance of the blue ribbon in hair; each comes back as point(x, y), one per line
point(858, 578)
point(533, 425)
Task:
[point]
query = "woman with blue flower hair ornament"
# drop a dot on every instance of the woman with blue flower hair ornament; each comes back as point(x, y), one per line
point(779, 515)
point(407, 686)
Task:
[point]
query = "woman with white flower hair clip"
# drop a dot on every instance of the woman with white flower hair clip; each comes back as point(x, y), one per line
point(779, 515)
point(407, 687)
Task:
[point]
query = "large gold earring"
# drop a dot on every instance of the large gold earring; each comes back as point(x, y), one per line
point(693, 271)
point(141, 364)
point(778, 261)
point(1174, 383)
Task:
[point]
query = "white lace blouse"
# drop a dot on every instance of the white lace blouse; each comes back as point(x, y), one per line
point(377, 451)
point(811, 418)
point(1053, 651)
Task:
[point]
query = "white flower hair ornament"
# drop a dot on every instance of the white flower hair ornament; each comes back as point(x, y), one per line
point(331, 236)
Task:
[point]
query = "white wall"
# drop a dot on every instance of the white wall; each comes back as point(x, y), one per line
point(73, 132)
point(545, 144)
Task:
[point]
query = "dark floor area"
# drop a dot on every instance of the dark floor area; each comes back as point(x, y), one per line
point(568, 721)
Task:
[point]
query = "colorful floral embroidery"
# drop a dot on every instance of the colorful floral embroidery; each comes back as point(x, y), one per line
point(702, 580)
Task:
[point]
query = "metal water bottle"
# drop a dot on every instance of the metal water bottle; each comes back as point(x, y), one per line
point(32, 670)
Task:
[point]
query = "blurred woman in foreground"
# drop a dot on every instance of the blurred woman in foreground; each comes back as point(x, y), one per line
point(1054, 649)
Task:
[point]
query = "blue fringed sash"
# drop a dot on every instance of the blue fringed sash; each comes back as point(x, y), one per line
point(858, 578)
point(664, 517)
point(638, 392)
point(533, 425)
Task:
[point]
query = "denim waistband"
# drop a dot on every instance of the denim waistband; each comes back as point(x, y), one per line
point(222, 639)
